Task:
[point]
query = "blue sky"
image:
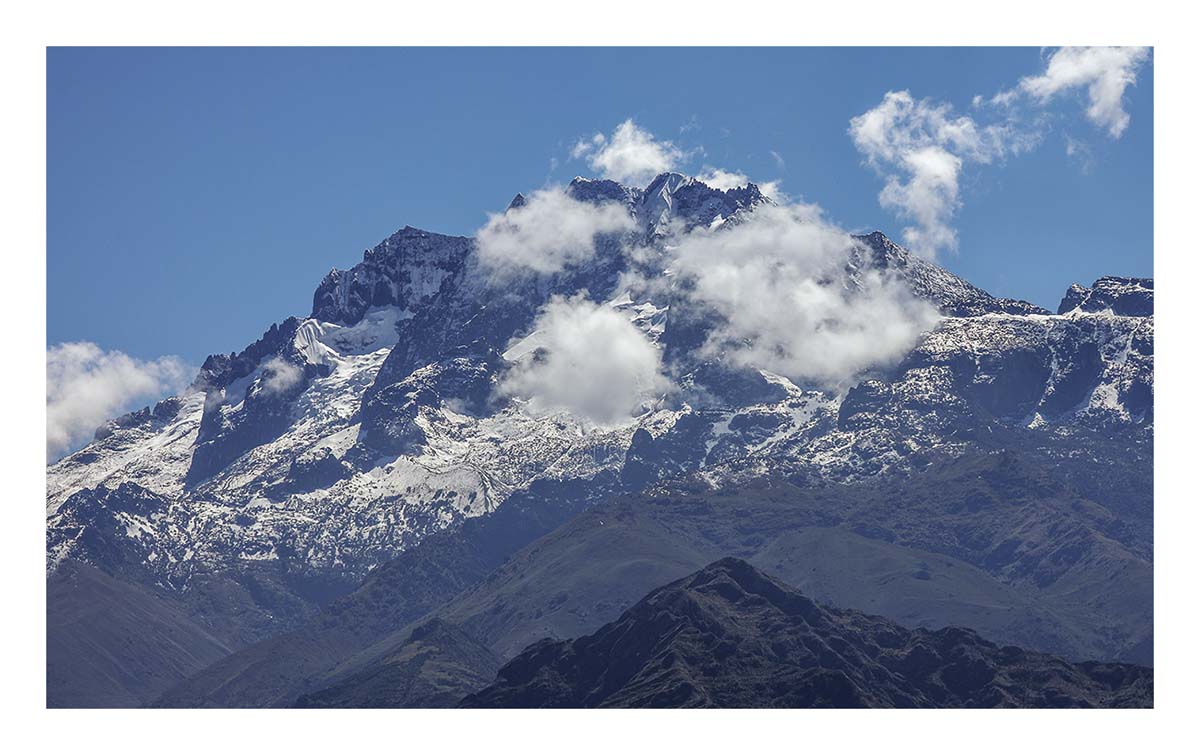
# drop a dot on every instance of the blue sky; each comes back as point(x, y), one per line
point(197, 195)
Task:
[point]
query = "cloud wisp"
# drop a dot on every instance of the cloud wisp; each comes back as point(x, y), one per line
point(280, 375)
point(921, 147)
point(590, 361)
point(1105, 72)
point(546, 234)
point(86, 385)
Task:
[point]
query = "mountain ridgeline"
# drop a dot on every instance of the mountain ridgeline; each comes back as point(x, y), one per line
point(349, 511)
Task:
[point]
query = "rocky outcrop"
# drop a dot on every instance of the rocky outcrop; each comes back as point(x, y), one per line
point(1127, 297)
point(408, 269)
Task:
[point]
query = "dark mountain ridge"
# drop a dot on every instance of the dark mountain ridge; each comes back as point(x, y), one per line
point(729, 636)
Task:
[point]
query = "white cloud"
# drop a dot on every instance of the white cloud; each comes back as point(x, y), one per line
point(1104, 71)
point(900, 123)
point(919, 147)
point(86, 385)
point(585, 147)
point(631, 155)
point(548, 233)
point(780, 163)
point(779, 282)
point(773, 190)
point(591, 361)
point(929, 197)
point(280, 375)
point(723, 179)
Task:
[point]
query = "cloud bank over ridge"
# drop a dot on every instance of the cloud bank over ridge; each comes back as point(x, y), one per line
point(86, 385)
point(547, 233)
point(779, 283)
point(630, 155)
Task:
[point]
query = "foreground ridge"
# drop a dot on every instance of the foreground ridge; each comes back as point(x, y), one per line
point(731, 636)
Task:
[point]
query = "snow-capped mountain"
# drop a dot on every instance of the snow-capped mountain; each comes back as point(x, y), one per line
point(352, 432)
point(341, 439)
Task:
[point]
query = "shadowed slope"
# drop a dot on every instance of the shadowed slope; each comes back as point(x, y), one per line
point(112, 644)
point(436, 667)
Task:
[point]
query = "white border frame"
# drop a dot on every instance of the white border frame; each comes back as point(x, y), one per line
point(30, 29)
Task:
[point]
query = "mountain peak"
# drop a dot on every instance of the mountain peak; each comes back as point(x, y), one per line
point(402, 270)
point(736, 569)
point(731, 636)
point(927, 280)
point(668, 181)
point(1132, 297)
point(602, 190)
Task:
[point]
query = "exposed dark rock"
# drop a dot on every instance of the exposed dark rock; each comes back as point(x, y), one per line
point(160, 413)
point(389, 413)
point(266, 413)
point(219, 370)
point(410, 267)
point(1079, 370)
point(313, 473)
point(713, 385)
point(678, 451)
